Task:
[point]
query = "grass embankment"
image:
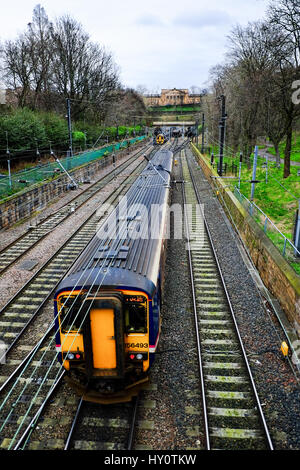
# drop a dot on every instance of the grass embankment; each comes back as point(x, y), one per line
point(276, 196)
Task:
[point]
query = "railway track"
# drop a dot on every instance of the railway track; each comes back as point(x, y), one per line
point(32, 381)
point(99, 427)
point(15, 250)
point(232, 410)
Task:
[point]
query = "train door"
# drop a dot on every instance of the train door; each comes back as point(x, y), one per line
point(104, 337)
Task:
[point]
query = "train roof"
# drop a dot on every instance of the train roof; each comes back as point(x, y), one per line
point(126, 250)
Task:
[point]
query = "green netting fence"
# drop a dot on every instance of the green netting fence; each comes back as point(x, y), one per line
point(48, 171)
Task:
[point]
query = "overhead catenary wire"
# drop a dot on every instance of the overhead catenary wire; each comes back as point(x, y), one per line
point(68, 332)
point(47, 151)
point(111, 261)
point(54, 361)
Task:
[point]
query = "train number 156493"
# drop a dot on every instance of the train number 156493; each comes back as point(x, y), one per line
point(136, 345)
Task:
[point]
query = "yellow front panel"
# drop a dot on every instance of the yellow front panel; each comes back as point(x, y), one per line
point(71, 342)
point(103, 338)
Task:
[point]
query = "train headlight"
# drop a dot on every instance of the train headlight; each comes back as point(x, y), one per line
point(75, 355)
point(138, 356)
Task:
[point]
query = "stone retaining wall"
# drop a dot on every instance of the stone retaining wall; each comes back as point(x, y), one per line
point(24, 204)
point(276, 273)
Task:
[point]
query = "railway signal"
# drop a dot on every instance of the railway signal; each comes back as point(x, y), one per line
point(203, 123)
point(69, 126)
point(253, 182)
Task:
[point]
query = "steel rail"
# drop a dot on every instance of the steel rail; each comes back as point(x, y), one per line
point(133, 423)
point(201, 372)
point(73, 426)
point(30, 428)
point(132, 426)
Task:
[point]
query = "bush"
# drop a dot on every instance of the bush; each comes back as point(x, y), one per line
point(27, 129)
point(56, 129)
point(24, 129)
point(78, 139)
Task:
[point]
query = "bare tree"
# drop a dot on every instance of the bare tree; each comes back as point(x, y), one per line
point(141, 89)
point(40, 44)
point(285, 17)
point(18, 68)
point(82, 70)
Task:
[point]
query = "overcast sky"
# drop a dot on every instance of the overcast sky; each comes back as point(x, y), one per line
point(156, 43)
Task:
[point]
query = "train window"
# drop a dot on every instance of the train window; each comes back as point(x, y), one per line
point(70, 320)
point(135, 311)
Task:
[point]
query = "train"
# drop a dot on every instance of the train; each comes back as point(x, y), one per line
point(107, 308)
point(177, 132)
point(190, 132)
point(160, 139)
point(157, 130)
point(160, 136)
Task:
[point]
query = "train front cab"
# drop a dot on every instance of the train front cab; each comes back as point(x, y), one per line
point(111, 352)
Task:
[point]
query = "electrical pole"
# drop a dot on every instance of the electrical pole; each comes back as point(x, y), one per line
point(70, 126)
point(297, 234)
point(222, 134)
point(202, 145)
point(253, 182)
point(240, 168)
point(8, 161)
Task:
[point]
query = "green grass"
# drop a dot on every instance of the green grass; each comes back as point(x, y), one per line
point(278, 203)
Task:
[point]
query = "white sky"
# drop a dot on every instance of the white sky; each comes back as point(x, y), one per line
point(156, 43)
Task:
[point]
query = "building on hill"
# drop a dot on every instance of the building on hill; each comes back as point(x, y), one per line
point(173, 97)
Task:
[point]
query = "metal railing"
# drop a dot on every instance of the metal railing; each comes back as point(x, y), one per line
point(287, 248)
point(47, 171)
